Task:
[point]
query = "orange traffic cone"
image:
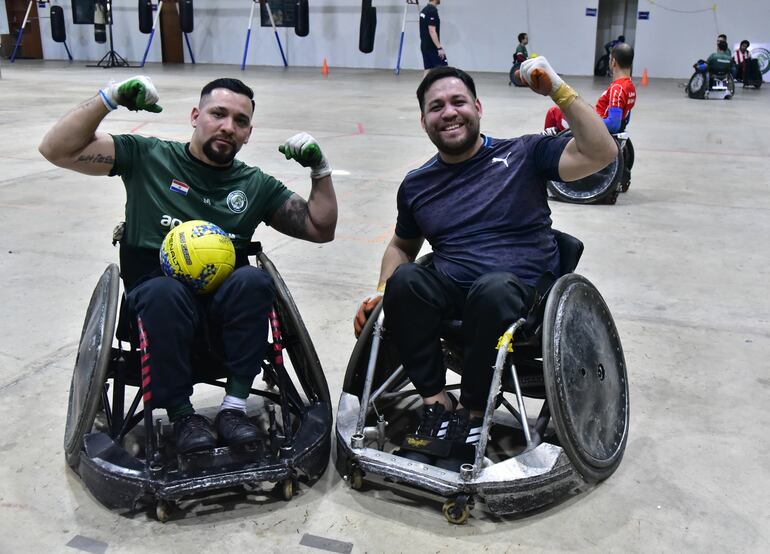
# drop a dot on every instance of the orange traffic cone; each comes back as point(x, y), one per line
point(325, 68)
point(645, 80)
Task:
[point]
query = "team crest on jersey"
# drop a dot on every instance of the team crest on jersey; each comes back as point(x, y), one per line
point(179, 187)
point(237, 201)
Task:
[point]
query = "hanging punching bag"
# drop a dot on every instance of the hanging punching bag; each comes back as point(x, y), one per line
point(100, 22)
point(186, 15)
point(145, 16)
point(57, 24)
point(301, 18)
point(368, 27)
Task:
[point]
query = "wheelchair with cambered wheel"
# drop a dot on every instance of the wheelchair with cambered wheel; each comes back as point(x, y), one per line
point(563, 362)
point(125, 455)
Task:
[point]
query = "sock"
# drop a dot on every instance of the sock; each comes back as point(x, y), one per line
point(233, 403)
point(175, 413)
point(239, 386)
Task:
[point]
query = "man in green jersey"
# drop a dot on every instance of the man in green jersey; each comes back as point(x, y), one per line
point(720, 61)
point(169, 182)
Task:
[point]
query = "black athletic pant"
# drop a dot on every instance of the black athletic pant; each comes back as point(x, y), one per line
point(174, 318)
point(418, 298)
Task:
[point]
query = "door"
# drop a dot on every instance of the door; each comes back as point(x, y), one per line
point(31, 47)
point(171, 33)
point(615, 18)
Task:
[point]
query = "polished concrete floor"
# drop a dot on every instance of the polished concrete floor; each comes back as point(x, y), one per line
point(682, 261)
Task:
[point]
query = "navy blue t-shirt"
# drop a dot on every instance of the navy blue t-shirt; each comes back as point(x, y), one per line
point(488, 213)
point(429, 17)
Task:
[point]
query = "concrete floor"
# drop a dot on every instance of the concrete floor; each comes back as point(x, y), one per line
point(682, 261)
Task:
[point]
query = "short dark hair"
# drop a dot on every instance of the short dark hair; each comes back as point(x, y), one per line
point(522, 36)
point(235, 85)
point(442, 72)
point(722, 37)
point(621, 38)
point(721, 45)
point(746, 42)
point(623, 55)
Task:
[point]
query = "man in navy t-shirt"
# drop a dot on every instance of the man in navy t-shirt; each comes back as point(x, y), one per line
point(481, 203)
point(433, 54)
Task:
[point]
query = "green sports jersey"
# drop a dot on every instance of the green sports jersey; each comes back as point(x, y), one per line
point(166, 185)
point(719, 62)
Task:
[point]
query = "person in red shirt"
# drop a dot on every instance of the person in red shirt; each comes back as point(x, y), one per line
point(614, 105)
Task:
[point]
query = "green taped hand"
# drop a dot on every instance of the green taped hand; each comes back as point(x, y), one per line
point(136, 93)
point(305, 150)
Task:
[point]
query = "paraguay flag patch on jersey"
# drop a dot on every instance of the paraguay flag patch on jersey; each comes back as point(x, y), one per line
point(179, 187)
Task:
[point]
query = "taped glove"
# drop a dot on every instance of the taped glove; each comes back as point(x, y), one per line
point(136, 93)
point(305, 150)
point(538, 74)
point(367, 306)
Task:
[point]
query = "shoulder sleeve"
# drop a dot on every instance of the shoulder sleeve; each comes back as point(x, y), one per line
point(273, 195)
point(432, 17)
point(616, 96)
point(406, 226)
point(546, 153)
point(127, 149)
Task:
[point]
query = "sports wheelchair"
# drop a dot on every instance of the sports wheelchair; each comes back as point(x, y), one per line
point(604, 186)
point(566, 352)
point(708, 85)
point(126, 457)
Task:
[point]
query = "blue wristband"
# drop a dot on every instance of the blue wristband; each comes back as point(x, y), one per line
point(109, 105)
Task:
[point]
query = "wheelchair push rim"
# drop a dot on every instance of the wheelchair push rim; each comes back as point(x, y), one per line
point(89, 374)
point(593, 188)
point(585, 377)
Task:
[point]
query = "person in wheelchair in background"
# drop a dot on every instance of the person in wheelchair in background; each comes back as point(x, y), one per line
point(481, 204)
point(615, 104)
point(713, 77)
point(168, 183)
point(519, 56)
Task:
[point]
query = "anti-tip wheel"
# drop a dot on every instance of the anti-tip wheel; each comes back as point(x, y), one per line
point(356, 479)
point(287, 489)
point(456, 512)
point(162, 511)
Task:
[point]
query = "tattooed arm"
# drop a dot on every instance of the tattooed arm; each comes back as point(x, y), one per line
point(315, 219)
point(73, 142)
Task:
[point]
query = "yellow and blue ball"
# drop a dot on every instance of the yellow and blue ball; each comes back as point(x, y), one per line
point(199, 254)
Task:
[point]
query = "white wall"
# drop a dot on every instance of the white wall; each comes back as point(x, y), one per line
point(479, 35)
point(3, 19)
point(670, 42)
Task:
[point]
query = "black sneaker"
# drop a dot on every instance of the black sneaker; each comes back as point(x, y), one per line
point(463, 434)
point(427, 440)
point(235, 429)
point(194, 433)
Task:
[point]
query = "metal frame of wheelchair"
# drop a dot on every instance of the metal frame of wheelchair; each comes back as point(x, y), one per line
point(706, 85)
point(604, 186)
point(566, 352)
point(126, 458)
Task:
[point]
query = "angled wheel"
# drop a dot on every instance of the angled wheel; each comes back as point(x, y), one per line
point(628, 164)
point(730, 82)
point(585, 377)
point(92, 362)
point(697, 86)
point(302, 353)
point(591, 189)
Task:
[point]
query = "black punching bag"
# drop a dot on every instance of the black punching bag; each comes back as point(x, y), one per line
point(57, 24)
point(145, 16)
point(368, 27)
point(186, 15)
point(301, 18)
point(100, 22)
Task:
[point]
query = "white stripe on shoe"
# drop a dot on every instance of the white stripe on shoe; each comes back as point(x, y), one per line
point(442, 430)
point(474, 435)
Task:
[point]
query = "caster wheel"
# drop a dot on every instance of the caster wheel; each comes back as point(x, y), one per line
point(162, 511)
point(287, 489)
point(356, 479)
point(456, 512)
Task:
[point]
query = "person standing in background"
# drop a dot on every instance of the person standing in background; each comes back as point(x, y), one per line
point(433, 54)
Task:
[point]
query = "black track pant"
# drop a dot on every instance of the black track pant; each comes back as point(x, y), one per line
point(418, 298)
point(175, 318)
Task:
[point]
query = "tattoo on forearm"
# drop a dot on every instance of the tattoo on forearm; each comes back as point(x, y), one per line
point(96, 159)
point(293, 216)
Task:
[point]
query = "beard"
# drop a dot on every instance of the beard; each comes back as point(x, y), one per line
point(220, 154)
point(458, 145)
